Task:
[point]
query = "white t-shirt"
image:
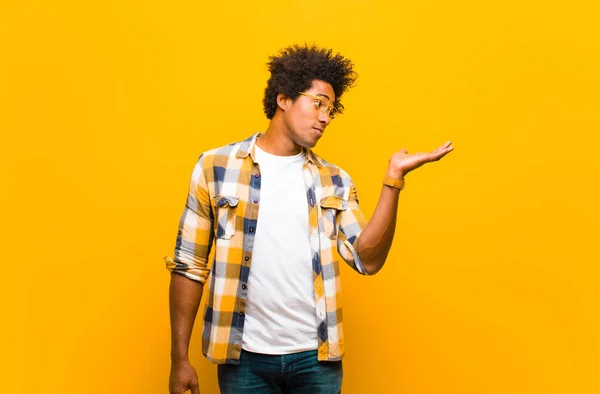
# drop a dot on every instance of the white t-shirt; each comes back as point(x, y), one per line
point(280, 310)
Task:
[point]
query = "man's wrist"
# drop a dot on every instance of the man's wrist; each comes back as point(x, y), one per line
point(177, 358)
point(396, 174)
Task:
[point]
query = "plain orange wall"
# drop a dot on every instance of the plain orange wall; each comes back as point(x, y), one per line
point(492, 286)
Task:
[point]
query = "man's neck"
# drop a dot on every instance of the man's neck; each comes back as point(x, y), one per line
point(276, 142)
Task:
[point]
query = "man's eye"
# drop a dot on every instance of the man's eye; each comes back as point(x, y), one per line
point(318, 104)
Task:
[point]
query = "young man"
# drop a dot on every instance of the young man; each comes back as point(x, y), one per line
point(275, 212)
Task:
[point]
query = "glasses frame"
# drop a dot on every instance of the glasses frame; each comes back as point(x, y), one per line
point(329, 109)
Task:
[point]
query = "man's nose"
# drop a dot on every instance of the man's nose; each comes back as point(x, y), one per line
point(324, 118)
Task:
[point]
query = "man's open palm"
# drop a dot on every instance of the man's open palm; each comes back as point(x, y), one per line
point(401, 163)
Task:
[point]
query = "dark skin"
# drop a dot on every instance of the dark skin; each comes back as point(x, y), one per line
point(296, 124)
point(184, 299)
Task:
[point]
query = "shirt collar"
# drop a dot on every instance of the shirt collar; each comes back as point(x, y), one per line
point(247, 149)
point(312, 157)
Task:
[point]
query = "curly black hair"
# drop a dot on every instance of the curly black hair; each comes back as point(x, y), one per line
point(294, 69)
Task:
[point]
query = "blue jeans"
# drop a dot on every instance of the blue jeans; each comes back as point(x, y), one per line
point(297, 373)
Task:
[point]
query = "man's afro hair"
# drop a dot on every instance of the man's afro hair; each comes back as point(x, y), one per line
point(294, 69)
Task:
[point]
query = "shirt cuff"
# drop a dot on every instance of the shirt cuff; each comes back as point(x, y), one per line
point(355, 261)
point(187, 270)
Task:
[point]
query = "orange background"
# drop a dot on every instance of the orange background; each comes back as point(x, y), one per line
point(492, 285)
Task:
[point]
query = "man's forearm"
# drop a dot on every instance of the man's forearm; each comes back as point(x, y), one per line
point(376, 239)
point(184, 299)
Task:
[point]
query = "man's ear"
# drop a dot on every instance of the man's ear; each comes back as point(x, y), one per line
point(283, 101)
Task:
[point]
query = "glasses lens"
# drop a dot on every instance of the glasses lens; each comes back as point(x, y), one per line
point(325, 106)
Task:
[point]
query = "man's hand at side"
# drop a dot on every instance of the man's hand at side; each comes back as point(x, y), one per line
point(183, 378)
point(184, 299)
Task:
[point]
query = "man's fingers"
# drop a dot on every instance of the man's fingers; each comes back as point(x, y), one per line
point(195, 388)
point(440, 152)
point(444, 147)
point(447, 144)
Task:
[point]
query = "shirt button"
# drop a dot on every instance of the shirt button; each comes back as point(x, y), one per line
point(256, 175)
point(244, 287)
point(256, 201)
point(251, 229)
point(246, 258)
point(241, 313)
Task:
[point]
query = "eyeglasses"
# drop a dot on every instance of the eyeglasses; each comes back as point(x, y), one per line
point(322, 104)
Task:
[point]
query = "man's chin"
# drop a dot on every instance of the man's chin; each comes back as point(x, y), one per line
point(310, 144)
point(317, 136)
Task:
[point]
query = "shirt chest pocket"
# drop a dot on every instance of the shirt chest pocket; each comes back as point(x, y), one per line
point(331, 207)
point(226, 207)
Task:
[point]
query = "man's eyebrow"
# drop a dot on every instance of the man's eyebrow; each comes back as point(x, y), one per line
point(324, 95)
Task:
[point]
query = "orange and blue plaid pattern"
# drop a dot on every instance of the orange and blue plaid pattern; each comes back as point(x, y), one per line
point(222, 206)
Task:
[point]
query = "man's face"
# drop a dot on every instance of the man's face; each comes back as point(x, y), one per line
point(305, 123)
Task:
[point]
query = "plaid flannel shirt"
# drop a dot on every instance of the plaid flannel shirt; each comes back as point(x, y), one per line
point(222, 206)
